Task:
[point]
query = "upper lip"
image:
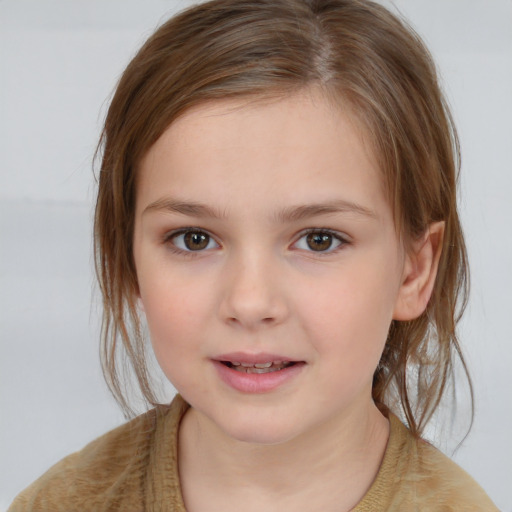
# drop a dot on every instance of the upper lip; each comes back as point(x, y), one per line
point(255, 358)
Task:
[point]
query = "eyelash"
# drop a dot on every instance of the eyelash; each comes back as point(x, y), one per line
point(336, 236)
point(168, 240)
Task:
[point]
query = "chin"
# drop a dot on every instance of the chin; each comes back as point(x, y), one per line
point(259, 437)
point(263, 433)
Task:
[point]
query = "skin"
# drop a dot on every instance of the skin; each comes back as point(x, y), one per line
point(315, 442)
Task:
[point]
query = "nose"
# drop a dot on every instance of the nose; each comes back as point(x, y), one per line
point(252, 293)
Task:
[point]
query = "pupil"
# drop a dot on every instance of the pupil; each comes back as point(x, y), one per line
point(319, 241)
point(196, 241)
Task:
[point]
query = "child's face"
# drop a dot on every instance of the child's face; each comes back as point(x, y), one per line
point(229, 272)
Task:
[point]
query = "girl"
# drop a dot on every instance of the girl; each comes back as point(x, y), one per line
point(277, 204)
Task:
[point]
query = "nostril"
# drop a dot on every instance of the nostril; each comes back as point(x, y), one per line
point(266, 320)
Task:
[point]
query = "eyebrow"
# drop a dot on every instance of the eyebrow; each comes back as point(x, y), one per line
point(289, 214)
point(296, 213)
point(189, 208)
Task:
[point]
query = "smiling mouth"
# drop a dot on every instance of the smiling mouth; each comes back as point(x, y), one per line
point(271, 366)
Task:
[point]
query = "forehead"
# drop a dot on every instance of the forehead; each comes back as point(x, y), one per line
point(288, 150)
point(311, 111)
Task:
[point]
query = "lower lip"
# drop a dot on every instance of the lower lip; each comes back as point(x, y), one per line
point(257, 382)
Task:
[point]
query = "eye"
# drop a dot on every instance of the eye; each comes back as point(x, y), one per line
point(320, 241)
point(192, 240)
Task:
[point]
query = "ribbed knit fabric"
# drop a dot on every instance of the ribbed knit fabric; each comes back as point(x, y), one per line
point(134, 468)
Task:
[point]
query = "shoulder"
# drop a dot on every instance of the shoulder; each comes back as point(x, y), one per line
point(430, 481)
point(108, 472)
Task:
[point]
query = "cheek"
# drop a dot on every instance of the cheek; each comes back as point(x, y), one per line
point(173, 315)
point(177, 334)
point(349, 317)
point(169, 297)
point(170, 311)
point(350, 331)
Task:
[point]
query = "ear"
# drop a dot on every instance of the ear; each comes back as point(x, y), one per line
point(419, 275)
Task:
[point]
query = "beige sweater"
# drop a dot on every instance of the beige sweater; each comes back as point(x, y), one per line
point(134, 468)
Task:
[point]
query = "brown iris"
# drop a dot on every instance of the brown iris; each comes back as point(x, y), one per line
point(319, 241)
point(195, 240)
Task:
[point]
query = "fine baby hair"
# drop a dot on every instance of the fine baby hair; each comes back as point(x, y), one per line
point(277, 208)
point(364, 60)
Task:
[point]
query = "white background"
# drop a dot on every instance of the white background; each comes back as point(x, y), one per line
point(59, 61)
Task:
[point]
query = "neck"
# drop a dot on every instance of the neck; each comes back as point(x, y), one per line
point(328, 468)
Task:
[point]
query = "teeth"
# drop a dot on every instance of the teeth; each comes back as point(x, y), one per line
point(273, 366)
point(263, 365)
point(257, 365)
point(261, 370)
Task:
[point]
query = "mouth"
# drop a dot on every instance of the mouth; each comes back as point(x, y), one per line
point(257, 373)
point(267, 367)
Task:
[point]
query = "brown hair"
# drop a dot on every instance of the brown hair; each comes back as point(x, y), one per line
point(355, 51)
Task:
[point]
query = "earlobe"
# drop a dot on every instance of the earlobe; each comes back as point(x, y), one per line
point(420, 271)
